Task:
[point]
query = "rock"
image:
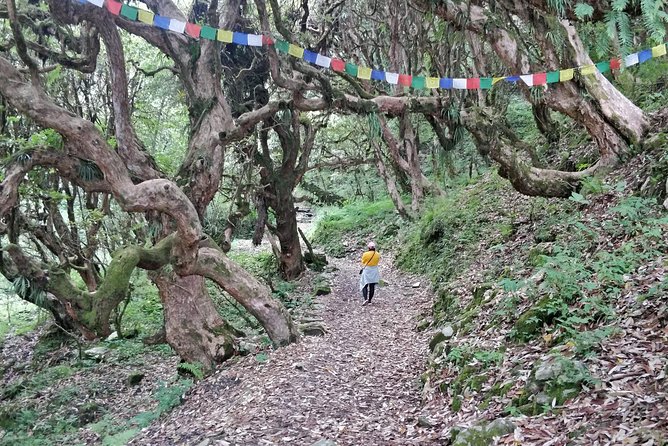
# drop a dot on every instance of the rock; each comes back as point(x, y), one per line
point(324, 442)
point(97, 352)
point(135, 378)
point(436, 339)
point(313, 329)
point(482, 434)
point(415, 285)
point(665, 202)
point(448, 331)
point(298, 366)
point(321, 286)
point(548, 370)
point(423, 325)
point(112, 336)
point(424, 422)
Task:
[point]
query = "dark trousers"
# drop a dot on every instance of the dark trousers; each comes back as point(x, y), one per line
point(368, 290)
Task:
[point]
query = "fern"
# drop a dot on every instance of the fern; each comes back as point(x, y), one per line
point(654, 18)
point(583, 11)
point(193, 369)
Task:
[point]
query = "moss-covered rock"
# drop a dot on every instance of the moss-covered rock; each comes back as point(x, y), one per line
point(482, 434)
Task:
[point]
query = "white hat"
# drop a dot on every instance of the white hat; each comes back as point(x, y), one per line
point(372, 245)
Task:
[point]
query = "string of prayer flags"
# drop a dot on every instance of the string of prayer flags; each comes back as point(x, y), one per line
point(132, 13)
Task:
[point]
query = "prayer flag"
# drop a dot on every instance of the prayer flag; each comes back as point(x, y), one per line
point(338, 65)
point(177, 26)
point(631, 59)
point(377, 75)
point(406, 80)
point(323, 61)
point(587, 70)
point(208, 32)
point(145, 16)
point(473, 83)
point(310, 56)
point(459, 84)
point(497, 79)
point(486, 83)
point(615, 64)
point(238, 38)
point(552, 77)
point(432, 82)
point(129, 12)
point(392, 78)
point(282, 46)
point(566, 75)
point(528, 79)
point(659, 50)
point(161, 22)
point(254, 39)
point(296, 51)
point(364, 73)
point(351, 69)
point(223, 35)
point(97, 3)
point(644, 56)
point(512, 78)
point(193, 30)
point(445, 83)
point(267, 40)
point(418, 82)
point(114, 7)
point(602, 67)
point(540, 79)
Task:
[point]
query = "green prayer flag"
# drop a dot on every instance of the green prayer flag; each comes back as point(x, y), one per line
point(485, 83)
point(552, 77)
point(129, 12)
point(418, 82)
point(282, 46)
point(603, 66)
point(351, 69)
point(208, 33)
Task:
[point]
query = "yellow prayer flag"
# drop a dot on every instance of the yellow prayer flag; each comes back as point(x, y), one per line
point(432, 82)
point(364, 73)
point(587, 70)
point(497, 79)
point(296, 51)
point(145, 16)
point(224, 36)
point(566, 75)
point(659, 50)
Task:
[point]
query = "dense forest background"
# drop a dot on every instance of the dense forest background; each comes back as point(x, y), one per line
point(170, 204)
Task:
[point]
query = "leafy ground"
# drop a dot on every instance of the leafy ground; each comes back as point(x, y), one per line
point(357, 384)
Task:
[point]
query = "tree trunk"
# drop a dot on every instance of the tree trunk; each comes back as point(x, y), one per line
point(390, 183)
point(291, 261)
point(193, 326)
point(626, 117)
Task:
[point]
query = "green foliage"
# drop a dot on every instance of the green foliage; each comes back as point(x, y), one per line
point(193, 369)
point(358, 220)
point(583, 10)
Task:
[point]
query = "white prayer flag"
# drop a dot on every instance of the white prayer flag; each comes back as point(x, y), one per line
point(392, 78)
point(177, 26)
point(322, 61)
point(254, 40)
point(528, 79)
point(631, 59)
point(97, 3)
point(459, 83)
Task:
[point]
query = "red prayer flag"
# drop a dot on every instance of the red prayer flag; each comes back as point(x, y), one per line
point(406, 80)
point(540, 79)
point(473, 83)
point(338, 65)
point(266, 40)
point(114, 7)
point(193, 30)
point(615, 64)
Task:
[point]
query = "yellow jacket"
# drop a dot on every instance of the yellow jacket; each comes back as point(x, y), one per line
point(373, 257)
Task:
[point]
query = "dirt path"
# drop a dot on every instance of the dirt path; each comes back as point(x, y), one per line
point(357, 385)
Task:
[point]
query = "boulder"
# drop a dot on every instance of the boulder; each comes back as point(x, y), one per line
point(313, 329)
point(482, 434)
point(324, 442)
point(98, 353)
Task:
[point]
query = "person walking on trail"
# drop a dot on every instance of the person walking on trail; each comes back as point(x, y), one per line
point(369, 273)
